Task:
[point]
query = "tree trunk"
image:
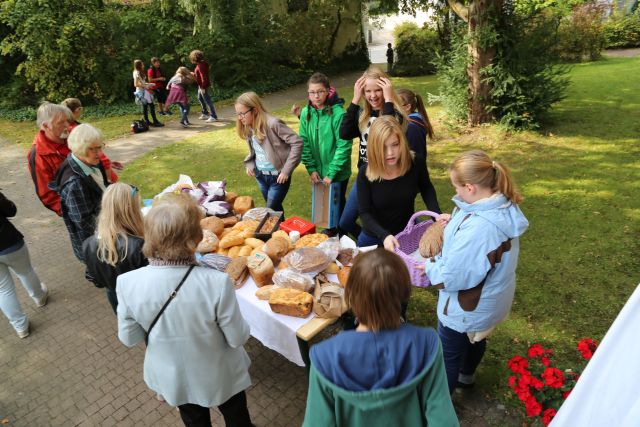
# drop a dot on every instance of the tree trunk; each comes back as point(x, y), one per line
point(480, 13)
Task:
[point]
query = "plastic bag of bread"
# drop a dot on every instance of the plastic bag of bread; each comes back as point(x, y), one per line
point(291, 302)
point(431, 241)
point(307, 260)
point(209, 242)
point(257, 214)
point(215, 261)
point(311, 240)
point(264, 292)
point(331, 247)
point(276, 248)
point(346, 256)
point(289, 278)
point(328, 300)
point(213, 224)
point(238, 271)
point(242, 204)
point(260, 268)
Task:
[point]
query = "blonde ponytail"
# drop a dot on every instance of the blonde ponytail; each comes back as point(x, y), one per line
point(476, 167)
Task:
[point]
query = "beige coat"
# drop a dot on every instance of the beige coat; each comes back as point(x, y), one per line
point(281, 144)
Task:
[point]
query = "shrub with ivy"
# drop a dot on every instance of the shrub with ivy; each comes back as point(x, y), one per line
point(581, 33)
point(622, 31)
point(416, 49)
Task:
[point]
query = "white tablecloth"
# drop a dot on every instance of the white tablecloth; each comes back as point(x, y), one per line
point(275, 331)
point(608, 392)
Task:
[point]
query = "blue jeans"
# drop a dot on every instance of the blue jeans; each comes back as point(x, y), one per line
point(205, 101)
point(350, 214)
point(272, 192)
point(365, 239)
point(184, 113)
point(460, 356)
point(19, 262)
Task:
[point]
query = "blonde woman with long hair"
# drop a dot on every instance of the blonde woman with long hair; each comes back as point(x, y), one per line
point(380, 99)
point(274, 149)
point(476, 271)
point(388, 185)
point(116, 246)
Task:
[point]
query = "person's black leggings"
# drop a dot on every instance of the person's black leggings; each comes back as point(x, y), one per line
point(146, 108)
point(234, 411)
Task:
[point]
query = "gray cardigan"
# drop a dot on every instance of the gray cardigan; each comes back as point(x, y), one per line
point(195, 352)
point(281, 144)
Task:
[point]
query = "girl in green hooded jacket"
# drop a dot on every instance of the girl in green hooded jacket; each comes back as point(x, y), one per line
point(326, 156)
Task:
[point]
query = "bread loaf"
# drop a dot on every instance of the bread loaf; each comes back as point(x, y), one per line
point(288, 278)
point(311, 240)
point(245, 250)
point(209, 242)
point(253, 242)
point(230, 221)
point(276, 248)
point(343, 275)
point(307, 260)
point(212, 223)
point(291, 302)
point(260, 268)
point(234, 251)
point(242, 204)
point(237, 270)
point(264, 292)
point(231, 239)
point(431, 241)
point(230, 197)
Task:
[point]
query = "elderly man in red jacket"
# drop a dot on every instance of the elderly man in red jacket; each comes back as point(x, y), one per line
point(49, 150)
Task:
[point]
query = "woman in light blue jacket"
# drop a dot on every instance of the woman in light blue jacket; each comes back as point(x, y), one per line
point(194, 356)
point(476, 271)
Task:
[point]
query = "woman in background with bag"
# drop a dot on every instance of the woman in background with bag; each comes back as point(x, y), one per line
point(189, 318)
point(385, 372)
point(143, 95)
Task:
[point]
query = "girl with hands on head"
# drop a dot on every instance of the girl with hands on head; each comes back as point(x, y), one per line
point(388, 185)
point(274, 149)
point(379, 100)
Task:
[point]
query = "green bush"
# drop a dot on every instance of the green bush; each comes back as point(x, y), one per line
point(581, 34)
point(416, 49)
point(622, 31)
point(524, 76)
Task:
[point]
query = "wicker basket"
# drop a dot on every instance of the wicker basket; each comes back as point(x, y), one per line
point(409, 240)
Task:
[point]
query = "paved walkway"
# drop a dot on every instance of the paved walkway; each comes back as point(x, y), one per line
point(72, 370)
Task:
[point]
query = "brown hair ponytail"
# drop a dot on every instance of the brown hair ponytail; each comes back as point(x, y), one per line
point(409, 97)
point(476, 167)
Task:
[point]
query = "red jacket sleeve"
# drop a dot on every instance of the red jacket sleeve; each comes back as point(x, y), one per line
point(113, 177)
point(45, 173)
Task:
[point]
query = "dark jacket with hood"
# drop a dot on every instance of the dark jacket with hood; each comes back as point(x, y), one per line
point(9, 235)
point(80, 198)
point(105, 275)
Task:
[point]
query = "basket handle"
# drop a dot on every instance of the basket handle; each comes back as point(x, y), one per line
point(412, 221)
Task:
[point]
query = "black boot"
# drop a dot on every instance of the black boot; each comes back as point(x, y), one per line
point(156, 122)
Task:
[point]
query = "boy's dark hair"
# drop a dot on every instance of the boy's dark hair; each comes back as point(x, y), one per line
point(388, 44)
point(196, 56)
point(378, 284)
point(319, 78)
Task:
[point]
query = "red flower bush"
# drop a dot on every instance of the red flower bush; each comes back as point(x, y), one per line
point(541, 386)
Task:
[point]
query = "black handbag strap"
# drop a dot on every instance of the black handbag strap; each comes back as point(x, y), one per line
point(171, 297)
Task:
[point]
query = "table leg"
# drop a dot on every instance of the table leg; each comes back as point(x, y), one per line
point(304, 353)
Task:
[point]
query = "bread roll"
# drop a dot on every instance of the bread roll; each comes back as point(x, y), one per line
point(242, 204)
point(431, 241)
point(264, 292)
point(245, 250)
point(260, 268)
point(230, 197)
point(231, 239)
point(209, 242)
point(234, 251)
point(230, 221)
point(332, 269)
point(253, 242)
point(213, 224)
point(284, 235)
point(291, 302)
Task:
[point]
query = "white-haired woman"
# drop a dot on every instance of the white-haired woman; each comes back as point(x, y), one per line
point(116, 247)
point(189, 318)
point(80, 181)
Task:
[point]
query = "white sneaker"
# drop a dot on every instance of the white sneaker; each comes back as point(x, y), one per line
point(203, 117)
point(24, 333)
point(42, 301)
point(211, 120)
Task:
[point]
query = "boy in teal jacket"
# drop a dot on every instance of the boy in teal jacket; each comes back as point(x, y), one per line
point(326, 156)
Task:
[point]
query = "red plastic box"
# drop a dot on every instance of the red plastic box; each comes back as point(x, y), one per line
point(298, 224)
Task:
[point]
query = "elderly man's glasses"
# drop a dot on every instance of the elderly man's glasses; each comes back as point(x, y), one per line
point(242, 114)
